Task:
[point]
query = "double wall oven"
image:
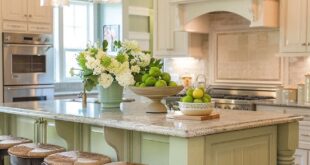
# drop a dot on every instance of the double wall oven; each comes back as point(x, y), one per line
point(28, 67)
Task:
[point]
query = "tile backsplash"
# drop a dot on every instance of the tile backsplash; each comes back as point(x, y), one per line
point(298, 67)
point(189, 66)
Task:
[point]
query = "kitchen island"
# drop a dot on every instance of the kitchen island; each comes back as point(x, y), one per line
point(238, 137)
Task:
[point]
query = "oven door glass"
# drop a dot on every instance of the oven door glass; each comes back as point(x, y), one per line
point(28, 64)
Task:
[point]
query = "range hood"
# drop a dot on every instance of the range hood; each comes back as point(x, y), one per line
point(193, 13)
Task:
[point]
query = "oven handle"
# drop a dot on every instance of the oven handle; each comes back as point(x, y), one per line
point(47, 47)
point(30, 87)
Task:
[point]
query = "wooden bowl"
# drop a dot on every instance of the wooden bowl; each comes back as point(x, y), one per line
point(156, 94)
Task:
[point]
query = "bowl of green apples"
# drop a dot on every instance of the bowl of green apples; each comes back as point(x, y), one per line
point(156, 85)
point(196, 103)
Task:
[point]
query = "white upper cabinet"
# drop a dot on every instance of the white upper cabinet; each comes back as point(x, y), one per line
point(37, 13)
point(15, 10)
point(167, 41)
point(294, 26)
point(26, 16)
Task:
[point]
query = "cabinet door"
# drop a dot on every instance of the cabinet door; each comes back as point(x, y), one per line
point(293, 26)
point(166, 40)
point(301, 157)
point(39, 14)
point(14, 10)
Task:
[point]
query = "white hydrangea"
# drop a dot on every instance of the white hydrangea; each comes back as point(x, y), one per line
point(105, 80)
point(125, 79)
point(95, 65)
point(98, 70)
point(91, 62)
point(118, 68)
point(131, 45)
point(135, 69)
point(100, 54)
point(144, 60)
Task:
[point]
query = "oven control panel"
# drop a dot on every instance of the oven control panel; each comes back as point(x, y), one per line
point(14, 38)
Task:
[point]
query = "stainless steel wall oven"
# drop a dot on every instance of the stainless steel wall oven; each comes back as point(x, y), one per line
point(28, 72)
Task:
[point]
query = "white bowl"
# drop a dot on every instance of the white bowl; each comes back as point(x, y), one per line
point(196, 109)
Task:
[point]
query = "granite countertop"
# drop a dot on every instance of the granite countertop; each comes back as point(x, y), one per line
point(274, 103)
point(131, 116)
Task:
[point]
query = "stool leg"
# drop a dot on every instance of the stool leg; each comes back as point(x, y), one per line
point(37, 161)
point(1, 160)
point(22, 161)
point(2, 154)
point(19, 161)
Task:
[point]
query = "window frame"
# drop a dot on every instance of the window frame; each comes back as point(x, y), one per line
point(60, 58)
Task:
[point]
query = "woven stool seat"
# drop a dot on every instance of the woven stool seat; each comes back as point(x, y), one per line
point(123, 163)
point(31, 150)
point(10, 141)
point(76, 158)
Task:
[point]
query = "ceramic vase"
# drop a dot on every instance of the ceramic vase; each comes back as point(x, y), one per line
point(110, 97)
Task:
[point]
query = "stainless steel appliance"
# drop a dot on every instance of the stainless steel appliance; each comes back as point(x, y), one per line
point(232, 98)
point(239, 98)
point(28, 71)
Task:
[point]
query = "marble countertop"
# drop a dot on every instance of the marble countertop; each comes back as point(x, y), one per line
point(274, 103)
point(132, 116)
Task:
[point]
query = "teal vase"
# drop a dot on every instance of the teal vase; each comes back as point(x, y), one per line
point(110, 97)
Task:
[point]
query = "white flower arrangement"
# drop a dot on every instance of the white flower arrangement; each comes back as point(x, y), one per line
point(97, 67)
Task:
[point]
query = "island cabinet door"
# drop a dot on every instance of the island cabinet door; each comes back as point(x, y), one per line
point(247, 147)
point(22, 126)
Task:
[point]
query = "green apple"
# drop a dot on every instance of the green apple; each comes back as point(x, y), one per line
point(173, 84)
point(160, 83)
point(144, 77)
point(187, 99)
point(166, 76)
point(198, 101)
point(142, 85)
point(155, 72)
point(207, 98)
point(189, 91)
point(150, 81)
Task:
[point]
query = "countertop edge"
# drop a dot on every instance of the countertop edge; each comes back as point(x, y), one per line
point(148, 128)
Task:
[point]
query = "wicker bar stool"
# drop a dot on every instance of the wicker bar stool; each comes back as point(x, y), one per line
point(32, 154)
point(123, 163)
point(76, 157)
point(9, 141)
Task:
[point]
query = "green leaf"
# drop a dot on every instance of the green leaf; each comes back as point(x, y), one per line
point(105, 45)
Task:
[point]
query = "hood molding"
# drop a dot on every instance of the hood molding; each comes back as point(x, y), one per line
point(261, 13)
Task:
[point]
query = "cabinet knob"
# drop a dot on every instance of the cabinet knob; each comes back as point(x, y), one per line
point(304, 44)
point(26, 15)
point(30, 15)
point(169, 49)
point(308, 43)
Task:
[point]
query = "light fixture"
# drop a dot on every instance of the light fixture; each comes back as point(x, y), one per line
point(54, 3)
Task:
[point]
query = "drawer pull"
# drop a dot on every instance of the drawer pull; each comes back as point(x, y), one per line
point(305, 134)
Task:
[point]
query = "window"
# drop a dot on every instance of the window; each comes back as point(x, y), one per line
point(73, 30)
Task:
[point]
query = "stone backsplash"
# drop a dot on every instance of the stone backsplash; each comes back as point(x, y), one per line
point(298, 67)
point(185, 66)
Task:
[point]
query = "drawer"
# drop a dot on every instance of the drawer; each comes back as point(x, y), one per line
point(14, 26)
point(40, 28)
point(304, 137)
